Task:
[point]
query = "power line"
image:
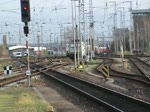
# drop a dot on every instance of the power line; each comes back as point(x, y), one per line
point(53, 9)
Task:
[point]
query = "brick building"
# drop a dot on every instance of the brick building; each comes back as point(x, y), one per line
point(141, 24)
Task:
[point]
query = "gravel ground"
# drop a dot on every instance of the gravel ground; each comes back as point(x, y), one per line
point(79, 101)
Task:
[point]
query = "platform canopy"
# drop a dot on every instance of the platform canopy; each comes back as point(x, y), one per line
point(17, 47)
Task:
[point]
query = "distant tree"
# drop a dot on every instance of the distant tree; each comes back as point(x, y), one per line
point(3, 51)
point(68, 34)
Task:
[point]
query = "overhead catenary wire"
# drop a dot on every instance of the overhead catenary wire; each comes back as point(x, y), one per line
point(53, 10)
point(8, 2)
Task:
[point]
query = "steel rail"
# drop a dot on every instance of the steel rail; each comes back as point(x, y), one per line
point(137, 62)
point(115, 101)
point(115, 73)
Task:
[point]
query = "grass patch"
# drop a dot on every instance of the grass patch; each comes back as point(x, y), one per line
point(21, 100)
point(96, 61)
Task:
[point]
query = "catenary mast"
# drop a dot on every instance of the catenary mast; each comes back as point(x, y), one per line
point(81, 27)
point(91, 29)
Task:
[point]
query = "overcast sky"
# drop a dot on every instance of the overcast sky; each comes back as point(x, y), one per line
point(48, 14)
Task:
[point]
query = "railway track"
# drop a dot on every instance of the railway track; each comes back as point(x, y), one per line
point(115, 101)
point(144, 68)
point(115, 73)
point(35, 69)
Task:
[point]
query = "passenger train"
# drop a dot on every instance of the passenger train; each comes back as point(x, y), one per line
point(71, 50)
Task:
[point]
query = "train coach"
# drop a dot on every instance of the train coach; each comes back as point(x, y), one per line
point(101, 50)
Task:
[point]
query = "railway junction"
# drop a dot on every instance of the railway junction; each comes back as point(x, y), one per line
point(75, 56)
point(65, 89)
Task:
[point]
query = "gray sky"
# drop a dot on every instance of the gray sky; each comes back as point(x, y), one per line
point(48, 14)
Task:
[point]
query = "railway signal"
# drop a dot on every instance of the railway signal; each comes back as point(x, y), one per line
point(25, 16)
point(26, 29)
point(25, 10)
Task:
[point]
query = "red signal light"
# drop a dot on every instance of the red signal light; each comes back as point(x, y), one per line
point(25, 8)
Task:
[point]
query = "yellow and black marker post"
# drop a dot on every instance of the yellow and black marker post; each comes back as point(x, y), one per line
point(50, 62)
point(105, 71)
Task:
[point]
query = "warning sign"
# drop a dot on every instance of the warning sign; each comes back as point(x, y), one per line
point(105, 71)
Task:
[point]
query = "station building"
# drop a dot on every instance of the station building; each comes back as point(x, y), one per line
point(13, 50)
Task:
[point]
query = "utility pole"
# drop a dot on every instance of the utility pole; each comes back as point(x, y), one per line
point(131, 27)
point(103, 37)
point(74, 30)
point(120, 30)
point(57, 46)
point(64, 37)
point(77, 44)
point(115, 24)
point(121, 36)
point(61, 31)
point(123, 26)
point(91, 31)
point(124, 32)
point(38, 43)
point(42, 35)
point(50, 42)
point(130, 41)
